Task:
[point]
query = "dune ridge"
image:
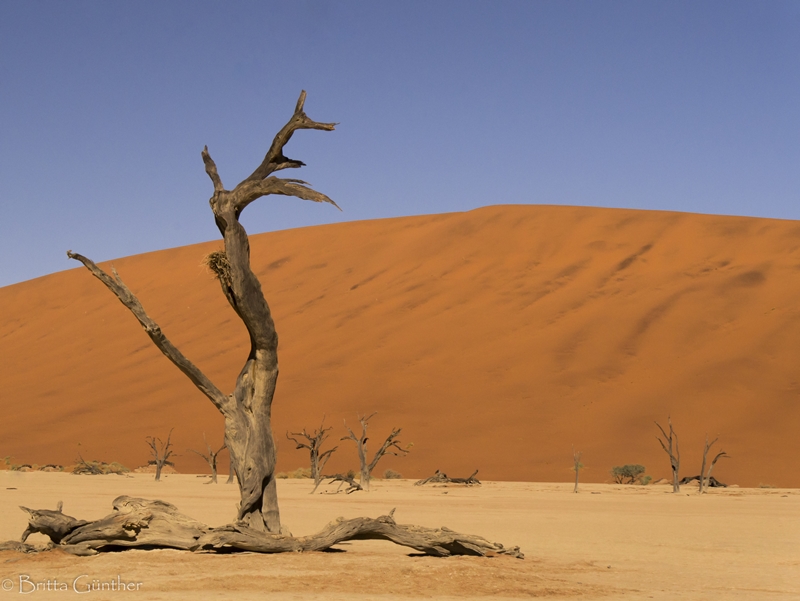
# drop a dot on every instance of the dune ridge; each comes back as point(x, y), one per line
point(496, 338)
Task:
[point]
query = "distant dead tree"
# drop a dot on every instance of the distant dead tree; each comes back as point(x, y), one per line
point(705, 480)
point(670, 445)
point(161, 452)
point(576, 466)
point(211, 458)
point(390, 446)
point(313, 442)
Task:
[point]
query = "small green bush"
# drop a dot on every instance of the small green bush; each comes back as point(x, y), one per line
point(392, 475)
point(645, 480)
point(627, 474)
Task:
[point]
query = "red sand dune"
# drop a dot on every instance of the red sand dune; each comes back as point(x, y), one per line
point(495, 338)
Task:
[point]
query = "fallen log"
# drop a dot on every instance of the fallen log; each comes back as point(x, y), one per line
point(153, 524)
point(712, 481)
point(442, 478)
point(353, 486)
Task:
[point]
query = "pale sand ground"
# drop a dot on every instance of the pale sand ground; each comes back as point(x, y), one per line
point(623, 543)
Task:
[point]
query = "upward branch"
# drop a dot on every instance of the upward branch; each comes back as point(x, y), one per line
point(275, 159)
point(153, 330)
point(240, 286)
point(670, 446)
point(390, 446)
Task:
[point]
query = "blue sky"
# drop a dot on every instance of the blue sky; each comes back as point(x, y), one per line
point(443, 106)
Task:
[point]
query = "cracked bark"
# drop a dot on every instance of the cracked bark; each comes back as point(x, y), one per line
point(247, 411)
point(144, 523)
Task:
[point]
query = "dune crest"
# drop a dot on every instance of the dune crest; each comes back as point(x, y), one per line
point(496, 339)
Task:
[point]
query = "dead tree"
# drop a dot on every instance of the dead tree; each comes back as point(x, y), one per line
point(576, 465)
point(313, 442)
point(161, 452)
point(248, 430)
point(670, 446)
point(211, 458)
point(390, 446)
point(705, 480)
point(247, 410)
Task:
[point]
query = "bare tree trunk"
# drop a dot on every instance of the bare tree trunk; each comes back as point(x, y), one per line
point(670, 446)
point(247, 412)
point(706, 448)
point(313, 442)
point(720, 455)
point(210, 457)
point(161, 452)
point(576, 465)
point(361, 444)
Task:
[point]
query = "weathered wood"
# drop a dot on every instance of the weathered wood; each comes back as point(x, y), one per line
point(440, 477)
point(709, 478)
point(711, 482)
point(153, 330)
point(138, 523)
point(576, 466)
point(313, 442)
point(353, 486)
point(439, 542)
point(211, 458)
point(247, 412)
point(161, 452)
point(54, 524)
point(142, 523)
point(670, 446)
point(390, 446)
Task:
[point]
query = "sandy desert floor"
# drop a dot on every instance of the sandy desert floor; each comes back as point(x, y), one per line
point(607, 542)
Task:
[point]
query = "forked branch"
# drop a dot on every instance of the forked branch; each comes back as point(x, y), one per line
point(161, 452)
point(275, 159)
point(390, 446)
point(211, 458)
point(313, 442)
